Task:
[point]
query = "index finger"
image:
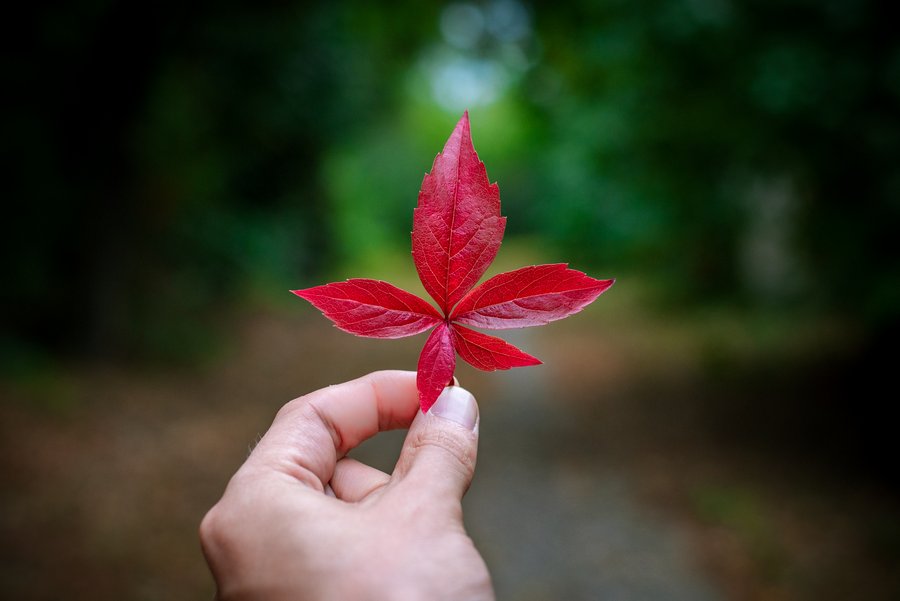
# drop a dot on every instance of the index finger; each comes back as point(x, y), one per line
point(312, 432)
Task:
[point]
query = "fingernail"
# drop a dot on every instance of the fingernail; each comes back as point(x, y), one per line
point(458, 405)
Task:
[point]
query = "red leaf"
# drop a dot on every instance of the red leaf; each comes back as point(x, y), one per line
point(457, 227)
point(531, 296)
point(488, 352)
point(436, 365)
point(372, 308)
point(457, 230)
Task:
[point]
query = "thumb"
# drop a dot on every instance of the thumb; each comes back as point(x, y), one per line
point(438, 456)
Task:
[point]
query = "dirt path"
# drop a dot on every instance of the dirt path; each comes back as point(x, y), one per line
point(579, 492)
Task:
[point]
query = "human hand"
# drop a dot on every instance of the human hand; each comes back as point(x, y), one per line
point(300, 520)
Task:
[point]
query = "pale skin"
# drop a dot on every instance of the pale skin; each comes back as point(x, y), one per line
point(301, 520)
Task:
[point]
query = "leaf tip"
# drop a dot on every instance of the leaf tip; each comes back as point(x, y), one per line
point(463, 123)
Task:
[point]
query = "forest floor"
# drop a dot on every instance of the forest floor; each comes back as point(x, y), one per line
point(608, 473)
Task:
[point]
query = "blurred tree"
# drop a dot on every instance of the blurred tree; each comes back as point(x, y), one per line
point(737, 149)
point(167, 155)
point(167, 159)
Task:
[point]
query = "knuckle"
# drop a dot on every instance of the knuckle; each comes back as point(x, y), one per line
point(220, 527)
point(292, 407)
point(461, 452)
point(212, 533)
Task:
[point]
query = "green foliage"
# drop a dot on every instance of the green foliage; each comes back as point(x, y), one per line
point(178, 160)
point(728, 137)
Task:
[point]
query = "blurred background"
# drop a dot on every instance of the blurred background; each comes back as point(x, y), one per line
point(716, 426)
